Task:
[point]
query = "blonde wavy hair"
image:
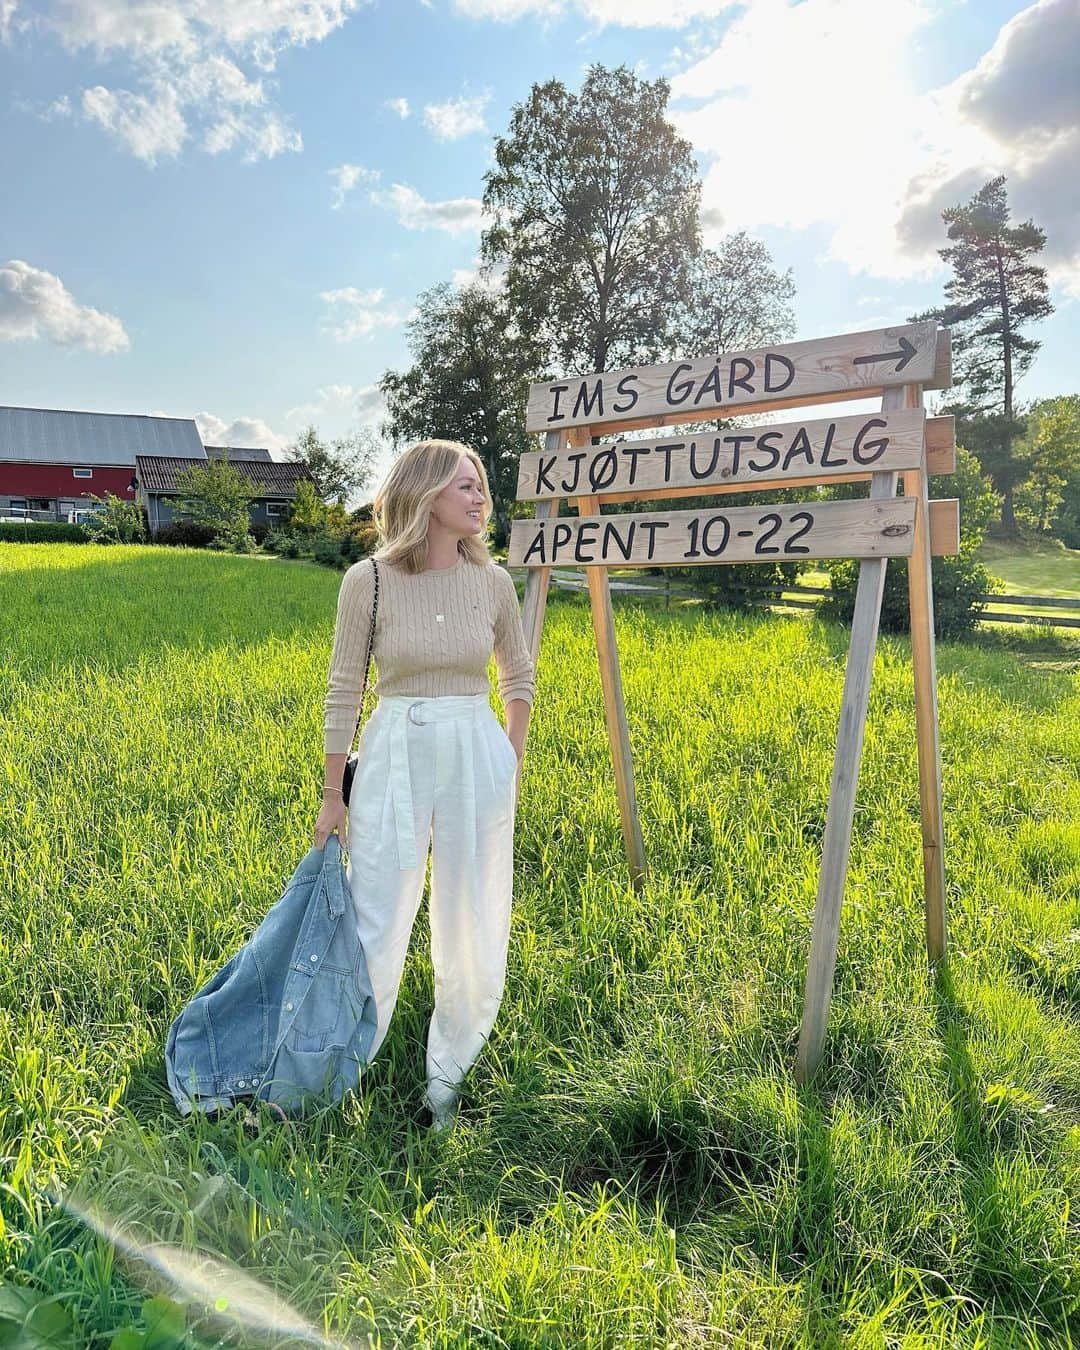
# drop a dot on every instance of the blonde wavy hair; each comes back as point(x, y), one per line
point(402, 506)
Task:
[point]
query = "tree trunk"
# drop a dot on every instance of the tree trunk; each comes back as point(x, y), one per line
point(1006, 333)
point(1008, 518)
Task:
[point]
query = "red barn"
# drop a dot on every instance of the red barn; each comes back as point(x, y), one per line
point(51, 461)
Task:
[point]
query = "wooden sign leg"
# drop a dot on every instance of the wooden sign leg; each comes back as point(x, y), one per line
point(537, 579)
point(841, 811)
point(614, 707)
point(924, 663)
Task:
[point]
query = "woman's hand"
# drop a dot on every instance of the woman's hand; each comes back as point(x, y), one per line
point(517, 726)
point(334, 815)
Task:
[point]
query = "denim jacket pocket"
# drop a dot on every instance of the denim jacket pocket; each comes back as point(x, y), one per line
point(318, 1020)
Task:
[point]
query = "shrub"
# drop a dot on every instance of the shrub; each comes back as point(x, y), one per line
point(42, 532)
point(332, 550)
point(186, 533)
point(116, 521)
point(958, 581)
point(276, 541)
point(341, 550)
point(731, 585)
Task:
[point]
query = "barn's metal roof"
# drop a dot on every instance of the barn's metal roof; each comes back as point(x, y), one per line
point(52, 436)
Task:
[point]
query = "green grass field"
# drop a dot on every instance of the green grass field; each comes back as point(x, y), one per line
point(634, 1165)
point(1032, 568)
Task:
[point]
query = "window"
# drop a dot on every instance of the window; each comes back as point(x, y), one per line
point(276, 508)
point(83, 473)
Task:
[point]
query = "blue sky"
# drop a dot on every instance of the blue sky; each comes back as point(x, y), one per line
point(226, 210)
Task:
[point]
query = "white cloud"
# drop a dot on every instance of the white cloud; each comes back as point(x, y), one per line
point(7, 12)
point(35, 304)
point(230, 107)
point(457, 215)
point(1002, 96)
point(370, 404)
point(359, 314)
point(346, 177)
point(148, 128)
point(490, 278)
point(241, 432)
point(622, 13)
point(59, 107)
point(398, 105)
point(182, 57)
point(814, 131)
point(142, 28)
point(456, 118)
point(366, 401)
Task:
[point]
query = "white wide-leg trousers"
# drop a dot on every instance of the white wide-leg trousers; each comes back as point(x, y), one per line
point(440, 771)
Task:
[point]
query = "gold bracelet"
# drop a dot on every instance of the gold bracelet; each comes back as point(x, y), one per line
point(328, 788)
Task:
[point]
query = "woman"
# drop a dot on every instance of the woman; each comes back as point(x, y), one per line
point(434, 763)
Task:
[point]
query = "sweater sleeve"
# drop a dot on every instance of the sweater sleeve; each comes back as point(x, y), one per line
point(346, 673)
point(517, 676)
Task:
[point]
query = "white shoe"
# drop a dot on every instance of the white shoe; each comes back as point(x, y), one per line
point(443, 1121)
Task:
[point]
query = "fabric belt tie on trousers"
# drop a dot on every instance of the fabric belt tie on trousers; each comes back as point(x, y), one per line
point(403, 709)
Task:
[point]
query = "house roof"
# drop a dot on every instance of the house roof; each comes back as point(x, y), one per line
point(55, 436)
point(269, 477)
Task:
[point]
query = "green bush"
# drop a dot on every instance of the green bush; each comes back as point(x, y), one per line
point(342, 550)
point(958, 583)
point(185, 533)
point(42, 532)
point(276, 541)
point(958, 580)
point(731, 585)
point(1067, 525)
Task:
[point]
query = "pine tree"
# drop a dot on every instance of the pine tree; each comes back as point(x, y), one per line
point(995, 290)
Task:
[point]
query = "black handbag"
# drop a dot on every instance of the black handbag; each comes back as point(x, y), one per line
point(353, 758)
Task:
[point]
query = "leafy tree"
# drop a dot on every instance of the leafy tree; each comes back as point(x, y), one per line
point(116, 522)
point(217, 495)
point(996, 288)
point(1050, 451)
point(341, 468)
point(309, 513)
point(596, 200)
point(469, 382)
point(737, 299)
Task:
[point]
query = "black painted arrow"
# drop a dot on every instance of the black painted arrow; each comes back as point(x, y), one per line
point(904, 354)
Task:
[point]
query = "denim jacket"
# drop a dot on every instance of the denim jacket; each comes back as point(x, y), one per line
point(291, 1017)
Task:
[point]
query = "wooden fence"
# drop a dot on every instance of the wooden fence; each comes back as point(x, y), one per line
point(798, 597)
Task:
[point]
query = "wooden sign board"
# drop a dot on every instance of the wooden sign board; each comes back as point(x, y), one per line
point(794, 531)
point(853, 365)
point(898, 445)
point(745, 458)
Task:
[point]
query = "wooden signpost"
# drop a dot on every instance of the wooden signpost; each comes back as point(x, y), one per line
point(898, 445)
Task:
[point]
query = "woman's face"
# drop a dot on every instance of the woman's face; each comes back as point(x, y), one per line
point(459, 507)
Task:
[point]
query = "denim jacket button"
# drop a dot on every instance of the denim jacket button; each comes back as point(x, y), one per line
point(314, 957)
point(288, 1007)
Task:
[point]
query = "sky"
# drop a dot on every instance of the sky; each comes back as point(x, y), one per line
point(226, 209)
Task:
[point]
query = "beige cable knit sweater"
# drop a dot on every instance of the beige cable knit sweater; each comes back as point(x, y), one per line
point(434, 634)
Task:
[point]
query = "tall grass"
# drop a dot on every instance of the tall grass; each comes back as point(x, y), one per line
point(634, 1164)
